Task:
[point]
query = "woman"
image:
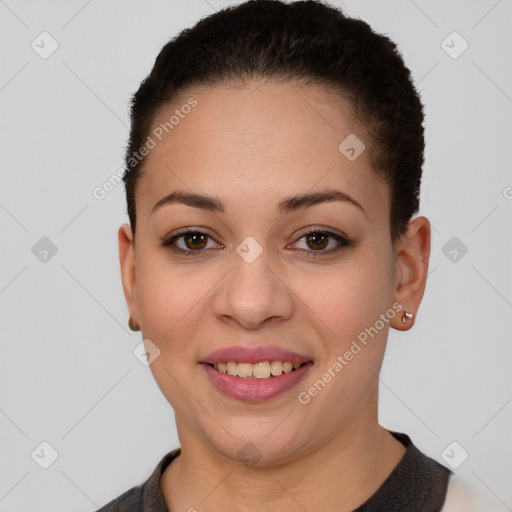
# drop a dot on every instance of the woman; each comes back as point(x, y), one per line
point(273, 172)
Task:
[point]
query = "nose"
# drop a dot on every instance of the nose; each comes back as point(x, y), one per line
point(254, 292)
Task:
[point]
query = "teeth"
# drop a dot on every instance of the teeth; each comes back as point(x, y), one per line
point(287, 367)
point(276, 368)
point(261, 370)
point(244, 370)
point(231, 368)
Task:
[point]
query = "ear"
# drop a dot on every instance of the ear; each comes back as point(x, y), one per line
point(127, 261)
point(412, 254)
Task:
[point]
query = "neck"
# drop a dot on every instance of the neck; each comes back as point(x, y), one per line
point(340, 475)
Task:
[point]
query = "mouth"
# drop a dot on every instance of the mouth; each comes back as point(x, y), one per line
point(255, 373)
point(255, 382)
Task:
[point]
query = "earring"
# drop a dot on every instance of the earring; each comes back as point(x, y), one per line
point(133, 325)
point(407, 316)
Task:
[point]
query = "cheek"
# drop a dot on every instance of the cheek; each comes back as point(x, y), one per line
point(349, 301)
point(349, 298)
point(171, 302)
point(171, 307)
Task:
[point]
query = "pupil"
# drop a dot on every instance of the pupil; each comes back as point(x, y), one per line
point(318, 238)
point(193, 239)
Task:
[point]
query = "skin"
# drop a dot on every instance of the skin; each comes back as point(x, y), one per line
point(250, 147)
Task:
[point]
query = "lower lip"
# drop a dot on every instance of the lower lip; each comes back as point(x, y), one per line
point(255, 390)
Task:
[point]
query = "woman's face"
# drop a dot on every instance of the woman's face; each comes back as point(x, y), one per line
point(261, 281)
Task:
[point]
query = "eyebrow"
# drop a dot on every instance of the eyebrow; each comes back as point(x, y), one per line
point(288, 204)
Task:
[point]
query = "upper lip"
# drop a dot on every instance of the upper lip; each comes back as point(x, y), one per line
point(242, 354)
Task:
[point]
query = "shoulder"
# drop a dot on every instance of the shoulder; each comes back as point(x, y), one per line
point(130, 500)
point(418, 482)
point(461, 497)
point(146, 496)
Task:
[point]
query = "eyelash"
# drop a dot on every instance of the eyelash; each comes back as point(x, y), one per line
point(342, 240)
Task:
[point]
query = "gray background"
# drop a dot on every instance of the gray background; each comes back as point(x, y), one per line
point(68, 372)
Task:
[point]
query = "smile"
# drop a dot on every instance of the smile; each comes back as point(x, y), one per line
point(255, 382)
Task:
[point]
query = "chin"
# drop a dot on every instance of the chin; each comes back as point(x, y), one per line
point(265, 447)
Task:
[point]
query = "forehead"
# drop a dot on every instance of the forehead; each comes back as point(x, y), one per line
point(261, 140)
point(244, 119)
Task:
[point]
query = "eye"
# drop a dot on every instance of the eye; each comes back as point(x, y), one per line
point(191, 242)
point(195, 243)
point(322, 242)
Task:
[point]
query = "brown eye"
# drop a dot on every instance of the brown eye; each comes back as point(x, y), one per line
point(196, 241)
point(317, 240)
point(191, 243)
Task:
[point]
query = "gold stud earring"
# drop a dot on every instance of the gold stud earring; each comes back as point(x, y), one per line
point(133, 325)
point(407, 316)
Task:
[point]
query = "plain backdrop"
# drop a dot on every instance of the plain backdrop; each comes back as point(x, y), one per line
point(69, 377)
